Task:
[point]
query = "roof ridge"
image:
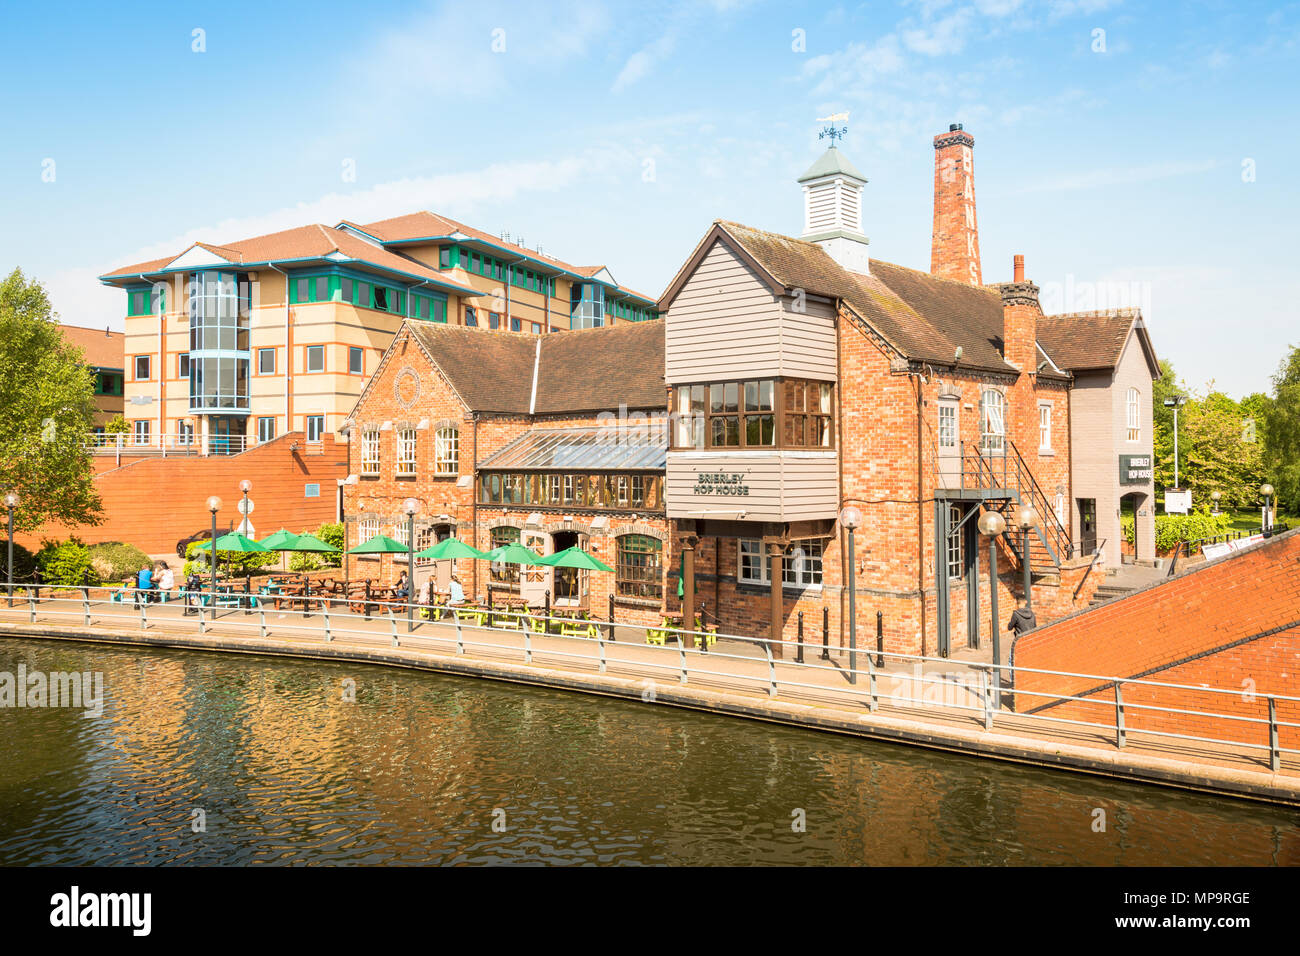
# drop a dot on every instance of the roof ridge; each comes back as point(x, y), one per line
point(1127, 311)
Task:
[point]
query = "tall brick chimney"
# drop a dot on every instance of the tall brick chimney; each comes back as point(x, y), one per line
point(1020, 312)
point(955, 241)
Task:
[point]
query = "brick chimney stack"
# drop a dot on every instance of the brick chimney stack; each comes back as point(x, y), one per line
point(1020, 312)
point(955, 241)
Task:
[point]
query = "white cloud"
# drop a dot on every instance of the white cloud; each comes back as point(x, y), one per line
point(1122, 176)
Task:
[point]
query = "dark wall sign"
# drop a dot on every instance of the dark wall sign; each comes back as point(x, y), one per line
point(720, 483)
point(1135, 469)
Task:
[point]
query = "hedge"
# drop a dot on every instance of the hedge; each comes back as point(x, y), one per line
point(115, 561)
point(1170, 529)
point(66, 563)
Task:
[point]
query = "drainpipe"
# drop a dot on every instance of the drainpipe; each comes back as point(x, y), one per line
point(288, 354)
point(473, 498)
point(920, 517)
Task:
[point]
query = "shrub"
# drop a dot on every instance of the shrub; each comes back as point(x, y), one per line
point(1170, 529)
point(115, 561)
point(232, 563)
point(66, 563)
point(24, 562)
point(332, 534)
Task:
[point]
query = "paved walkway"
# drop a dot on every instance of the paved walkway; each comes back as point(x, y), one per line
point(940, 704)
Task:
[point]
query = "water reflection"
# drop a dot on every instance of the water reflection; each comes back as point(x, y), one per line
point(287, 769)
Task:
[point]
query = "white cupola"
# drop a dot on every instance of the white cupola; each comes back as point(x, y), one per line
point(832, 210)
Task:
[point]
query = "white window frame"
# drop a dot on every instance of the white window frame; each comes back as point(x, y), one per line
point(148, 368)
point(370, 452)
point(1133, 414)
point(810, 577)
point(360, 355)
point(751, 547)
point(993, 434)
point(1044, 426)
point(406, 445)
point(306, 359)
point(446, 450)
point(317, 421)
point(262, 421)
point(140, 431)
point(947, 424)
point(956, 555)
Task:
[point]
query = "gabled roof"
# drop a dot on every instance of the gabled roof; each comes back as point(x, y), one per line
point(588, 447)
point(585, 370)
point(923, 317)
point(102, 348)
point(1094, 341)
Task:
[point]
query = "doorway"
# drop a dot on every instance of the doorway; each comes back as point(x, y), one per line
point(1088, 524)
point(570, 584)
point(438, 573)
point(1129, 507)
point(949, 450)
point(534, 579)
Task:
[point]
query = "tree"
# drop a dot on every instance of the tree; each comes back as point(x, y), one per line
point(1215, 454)
point(1282, 433)
point(47, 394)
point(1167, 386)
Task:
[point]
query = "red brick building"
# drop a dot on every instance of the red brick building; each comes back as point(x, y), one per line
point(552, 442)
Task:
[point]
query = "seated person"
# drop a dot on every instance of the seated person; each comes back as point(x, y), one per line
point(456, 596)
point(166, 581)
point(403, 588)
point(144, 584)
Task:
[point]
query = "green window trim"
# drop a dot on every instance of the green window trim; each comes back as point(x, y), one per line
point(140, 302)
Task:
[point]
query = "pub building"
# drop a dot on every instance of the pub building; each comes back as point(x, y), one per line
point(787, 379)
point(503, 437)
point(807, 376)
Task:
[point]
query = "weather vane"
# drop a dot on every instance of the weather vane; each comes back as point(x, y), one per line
point(832, 131)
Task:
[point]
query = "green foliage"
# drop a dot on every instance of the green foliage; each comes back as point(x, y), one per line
point(48, 399)
point(66, 563)
point(24, 562)
point(1170, 529)
point(115, 561)
point(116, 425)
point(1128, 524)
point(230, 563)
point(1282, 433)
point(332, 534)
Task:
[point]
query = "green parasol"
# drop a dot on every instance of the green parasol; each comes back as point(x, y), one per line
point(575, 557)
point(379, 544)
point(450, 549)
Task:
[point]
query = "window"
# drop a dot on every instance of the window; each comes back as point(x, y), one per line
point(956, 544)
point(444, 257)
point(370, 451)
point(108, 383)
point(503, 574)
point(347, 290)
point(1044, 427)
point(315, 427)
point(992, 421)
point(141, 367)
point(1058, 505)
point(406, 451)
point(265, 429)
point(446, 450)
point(312, 490)
point(537, 328)
point(266, 361)
point(807, 414)
point(367, 528)
point(140, 430)
point(356, 362)
point(147, 301)
point(743, 414)
point(470, 317)
point(315, 358)
point(515, 325)
point(1133, 413)
point(185, 433)
point(947, 424)
point(494, 320)
point(803, 564)
point(183, 365)
point(639, 567)
point(801, 567)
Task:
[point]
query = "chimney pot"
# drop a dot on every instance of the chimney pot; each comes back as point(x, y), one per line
point(953, 127)
point(1018, 273)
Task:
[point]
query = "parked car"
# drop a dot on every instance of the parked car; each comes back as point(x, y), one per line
point(203, 535)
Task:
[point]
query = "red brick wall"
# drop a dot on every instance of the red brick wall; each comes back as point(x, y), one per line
point(153, 502)
point(1231, 623)
point(954, 243)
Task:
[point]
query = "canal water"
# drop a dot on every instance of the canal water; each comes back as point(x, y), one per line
point(273, 761)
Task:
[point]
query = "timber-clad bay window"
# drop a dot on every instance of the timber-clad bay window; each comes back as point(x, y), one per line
point(615, 492)
point(638, 568)
point(758, 413)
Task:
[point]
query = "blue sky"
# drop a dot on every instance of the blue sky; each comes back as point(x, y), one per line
point(1119, 163)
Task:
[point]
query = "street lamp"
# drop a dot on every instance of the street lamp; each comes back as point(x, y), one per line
point(850, 521)
point(1215, 496)
point(992, 524)
point(214, 505)
point(1027, 521)
point(410, 506)
point(246, 528)
point(1265, 489)
point(11, 502)
point(1176, 402)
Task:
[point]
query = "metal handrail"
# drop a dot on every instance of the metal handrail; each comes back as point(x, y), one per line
point(989, 689)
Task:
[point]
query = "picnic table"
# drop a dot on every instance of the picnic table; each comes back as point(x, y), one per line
point(672, 628)
point(575, 622)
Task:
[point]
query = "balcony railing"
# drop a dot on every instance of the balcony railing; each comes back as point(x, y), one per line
point(127, 445)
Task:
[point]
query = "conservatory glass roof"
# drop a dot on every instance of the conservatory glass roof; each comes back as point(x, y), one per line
point(614, 447)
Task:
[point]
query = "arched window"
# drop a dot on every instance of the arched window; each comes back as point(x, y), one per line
point(506, 575)
point(1133, 415)
point(446, 450)
point(993, 419)
point(639, 567)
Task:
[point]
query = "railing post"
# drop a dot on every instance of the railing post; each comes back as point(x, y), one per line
point(798, 656)
point(880, 638)
point(771, 670)
point(681, 653)
point(460, 635)
point(611, 618)
point(325, 610)
point(261, 619)
point(85, 603)
point(600, 642)
point(144, 619)
point(1119, 717)
point(826, 633)
point(1274, 749)
point(392, 621)
point(528, 645)
point(874, 700)
point(987, 698)
point(202, 623)
point(32, 599)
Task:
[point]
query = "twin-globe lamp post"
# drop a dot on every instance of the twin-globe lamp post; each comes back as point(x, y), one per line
point(991, 525)
point(1267, 491)
point(214, 505)
point(11, 502)
point(850, 521)
point(410, 506)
